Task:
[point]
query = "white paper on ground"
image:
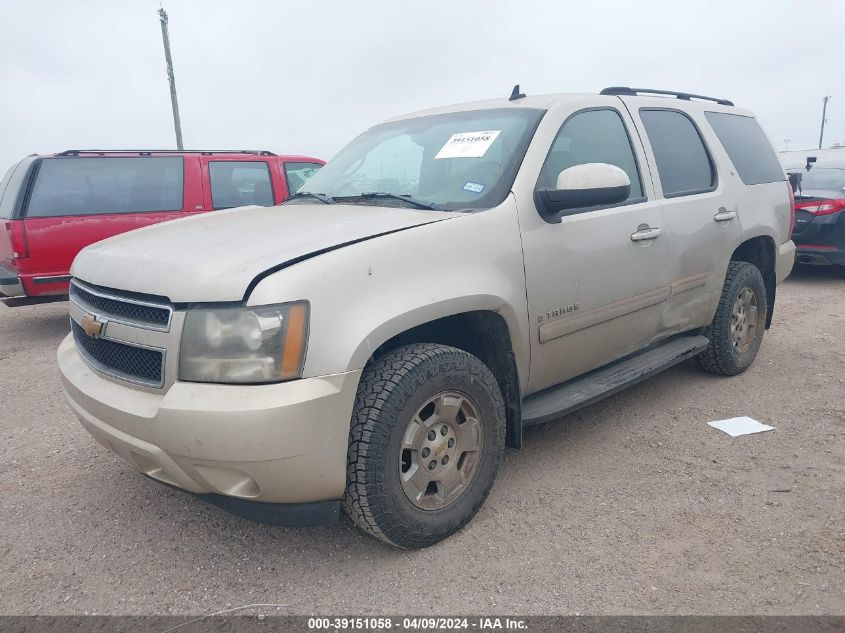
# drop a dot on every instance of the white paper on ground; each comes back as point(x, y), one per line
point(740, 426)
point(468, 144)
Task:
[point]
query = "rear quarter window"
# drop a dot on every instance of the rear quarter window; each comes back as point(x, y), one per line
point(5, 210)
point(747, 146)
point(106, 185)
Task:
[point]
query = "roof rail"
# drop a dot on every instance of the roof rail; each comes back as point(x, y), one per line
point(143, 152)
point(686, 96)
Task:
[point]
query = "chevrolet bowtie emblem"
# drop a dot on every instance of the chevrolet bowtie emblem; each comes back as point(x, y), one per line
point(91, 325)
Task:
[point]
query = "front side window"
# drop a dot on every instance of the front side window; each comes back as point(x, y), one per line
point(592, 136)
point(240, 184)
point(457, 160)
point(105, 185)
point(683, 164)
point(297, 173)
point(747, 145)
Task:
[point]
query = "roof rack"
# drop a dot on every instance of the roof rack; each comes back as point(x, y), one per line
point(144, 152)
point(686, 96)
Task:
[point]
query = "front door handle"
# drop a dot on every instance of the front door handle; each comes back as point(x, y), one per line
point(723, 215)
point(645, 234)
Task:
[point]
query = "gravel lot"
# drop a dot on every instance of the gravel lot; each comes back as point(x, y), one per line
point(633, 505)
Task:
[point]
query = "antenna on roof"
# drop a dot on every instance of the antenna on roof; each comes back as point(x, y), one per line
point(516, 94)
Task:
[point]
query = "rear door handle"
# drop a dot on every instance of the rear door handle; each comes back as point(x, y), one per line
point(645, 234)
point(723, 215)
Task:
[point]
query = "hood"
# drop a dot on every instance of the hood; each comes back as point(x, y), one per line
point(215, 256)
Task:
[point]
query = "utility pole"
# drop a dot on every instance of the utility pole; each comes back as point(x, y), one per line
point(786, 143)
point(177, 124)
point(824, 120)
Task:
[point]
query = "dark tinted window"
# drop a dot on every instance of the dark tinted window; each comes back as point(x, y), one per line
point(240, 184)
point(298, 173)
point(747, 145)
point(593, 136)
point(682, 161)
point(92, 186)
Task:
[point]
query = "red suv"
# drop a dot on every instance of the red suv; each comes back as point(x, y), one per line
point(53, 206)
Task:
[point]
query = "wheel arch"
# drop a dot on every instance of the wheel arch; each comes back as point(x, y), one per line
point(761, 251)
point(484, 333)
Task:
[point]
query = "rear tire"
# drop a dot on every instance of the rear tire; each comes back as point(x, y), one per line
point(740, 321)
point(425, 443)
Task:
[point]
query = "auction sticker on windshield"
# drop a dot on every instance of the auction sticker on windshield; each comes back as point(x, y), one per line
point(468, 144)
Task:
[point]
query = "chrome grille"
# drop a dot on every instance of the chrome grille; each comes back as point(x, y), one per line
point(123, 360)
point(120, 308)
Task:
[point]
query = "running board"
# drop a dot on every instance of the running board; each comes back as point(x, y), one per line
point(555, 402)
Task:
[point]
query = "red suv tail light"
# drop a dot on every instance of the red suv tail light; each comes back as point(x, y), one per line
point(17, 232)
point(822, 207)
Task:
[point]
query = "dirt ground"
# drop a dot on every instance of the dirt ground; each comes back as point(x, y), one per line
point(633, 505)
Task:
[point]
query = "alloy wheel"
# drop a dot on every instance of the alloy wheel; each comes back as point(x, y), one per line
point(441, 450)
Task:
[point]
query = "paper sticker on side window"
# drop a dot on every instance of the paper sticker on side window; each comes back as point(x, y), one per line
point(474, 187)
point(468, 144)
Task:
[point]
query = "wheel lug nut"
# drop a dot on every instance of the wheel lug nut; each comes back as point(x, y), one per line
point(431, 435)
point(445, 460)
point(426, 452)
point(451, 442)
point(432, 465)
point(444, 430)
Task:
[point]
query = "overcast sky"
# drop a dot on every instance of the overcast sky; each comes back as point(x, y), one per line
point(305, 77)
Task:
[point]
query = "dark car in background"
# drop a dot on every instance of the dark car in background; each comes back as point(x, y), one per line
point(819, 180)
point(52, 206)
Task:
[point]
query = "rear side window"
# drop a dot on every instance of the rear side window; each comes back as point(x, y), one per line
point(95, 186)
point(240, 184)
point(747, 145)
point(592, 136)
point(297, 173)
point(683, 164)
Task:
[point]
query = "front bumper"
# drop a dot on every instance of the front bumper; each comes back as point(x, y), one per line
point(10, 284)
point(284, 443)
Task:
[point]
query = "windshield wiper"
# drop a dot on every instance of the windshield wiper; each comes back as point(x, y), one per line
point(370, 195)
point(319, 196)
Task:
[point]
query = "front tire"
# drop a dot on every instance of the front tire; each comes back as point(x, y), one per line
point(737, 328)
point(425, 443)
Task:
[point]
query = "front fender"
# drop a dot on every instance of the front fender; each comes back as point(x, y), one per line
point(425, 314)
point(363, 294)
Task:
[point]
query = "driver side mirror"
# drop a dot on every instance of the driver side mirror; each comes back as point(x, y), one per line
point(581, 187)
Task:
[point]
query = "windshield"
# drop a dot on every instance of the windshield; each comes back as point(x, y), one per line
point(460, 160)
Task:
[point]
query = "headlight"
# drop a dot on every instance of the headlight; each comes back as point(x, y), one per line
point(244, 345)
